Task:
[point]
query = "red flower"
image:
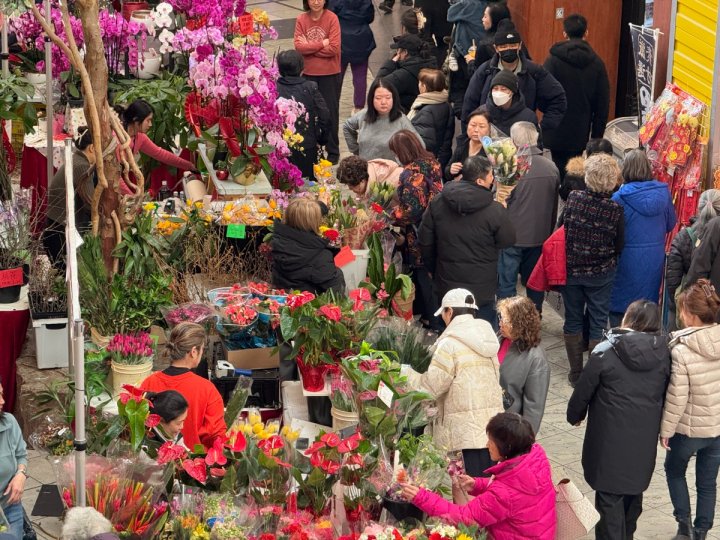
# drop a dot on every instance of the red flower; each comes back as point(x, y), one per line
point(370, 366)
point(196, 469)
point(354, 460)
point(296, 300)
point(316, 459)
point(333, 313)
point(238, 443)
point(350, 444)
point(269, 445)
point(215, 454)
point(170, 452)
point(330, 467)
point(330, 439)
point(316, 446)
point(377, 208)
point(152, 420)
point(217, 472)
point(396, 535)
point(367, 395)
point(131, 392)
point(435, 536)
point(358, 296)
point(331, 234)
point(267, 536)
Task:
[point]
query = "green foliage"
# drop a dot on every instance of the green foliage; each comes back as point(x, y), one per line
point(135, 304)
point(139, 247)
point(135, 414)
point(15, 101)
point(405, 339)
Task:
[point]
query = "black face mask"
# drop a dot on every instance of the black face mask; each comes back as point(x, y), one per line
point(509, 56)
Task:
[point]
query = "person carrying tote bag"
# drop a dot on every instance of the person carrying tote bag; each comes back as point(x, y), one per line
point(576, 514)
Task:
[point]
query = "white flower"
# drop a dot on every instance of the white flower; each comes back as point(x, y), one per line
point(163, 21)
point(164, 8)
point(166, 36)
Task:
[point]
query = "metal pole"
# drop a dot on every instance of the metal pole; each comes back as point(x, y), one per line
point(76, 327)
point(4, 52)
point(48, 102)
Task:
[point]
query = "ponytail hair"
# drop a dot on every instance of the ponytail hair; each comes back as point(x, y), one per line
point(183, 338)
point(83, 139)
point(169, 404)
point(137, 111)
point(700, 299)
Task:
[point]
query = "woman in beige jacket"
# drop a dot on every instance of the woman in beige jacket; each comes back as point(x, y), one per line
point(691, 417)
point(464, 379)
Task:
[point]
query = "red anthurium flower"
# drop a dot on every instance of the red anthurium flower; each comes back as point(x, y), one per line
point(217, 472)
point(297, 300)
point(318, 445)
point(349, 444)
point(331, 439)
point(316, 459)
point(170, 452)
point(269, 445)
point(330, 467)
point(215, 454)
point(333, 313)
point(130, 392)
point(152, 420)
point(354, 459)
point(267, 536)
point(238, 443)
point(196, 469)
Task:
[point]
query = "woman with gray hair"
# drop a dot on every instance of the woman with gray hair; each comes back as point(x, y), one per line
point(649, 216)
point(681, 250)
point(594, 237)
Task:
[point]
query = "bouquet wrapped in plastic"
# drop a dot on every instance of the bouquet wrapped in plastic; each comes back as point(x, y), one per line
point(509, 162)
point(189, 312)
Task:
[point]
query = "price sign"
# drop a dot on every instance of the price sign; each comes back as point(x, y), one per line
point(10, 278)
point(236, 230)
point(246, 24)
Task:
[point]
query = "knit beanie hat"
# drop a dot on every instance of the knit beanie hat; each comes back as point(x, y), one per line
point(506, 78)
point(506, 33)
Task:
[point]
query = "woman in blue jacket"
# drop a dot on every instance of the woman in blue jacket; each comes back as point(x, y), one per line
point(649, 216)
point(357, 42)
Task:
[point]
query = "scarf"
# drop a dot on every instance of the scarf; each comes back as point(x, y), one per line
point(427, 98)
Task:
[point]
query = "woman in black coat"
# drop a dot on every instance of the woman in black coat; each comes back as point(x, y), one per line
point(622, 390)
point(357, 42)
point(469, 143)
point(291, 85)
point(432, 116)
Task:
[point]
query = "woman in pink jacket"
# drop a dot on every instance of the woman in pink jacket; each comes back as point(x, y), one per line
point(518, 501)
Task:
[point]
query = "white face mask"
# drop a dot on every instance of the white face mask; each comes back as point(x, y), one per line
point(500, 98)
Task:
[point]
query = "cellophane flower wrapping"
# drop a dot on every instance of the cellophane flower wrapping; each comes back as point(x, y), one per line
point(509, 162)
point(427, 469)
point(126, 491)
point(198, 313)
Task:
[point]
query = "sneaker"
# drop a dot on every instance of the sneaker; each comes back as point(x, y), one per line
point(452, 63)
point(385, 8)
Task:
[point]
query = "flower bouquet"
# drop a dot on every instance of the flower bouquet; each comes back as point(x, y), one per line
point(392, 290)
point(382, 193)
point(189, 312)
point(510, 163)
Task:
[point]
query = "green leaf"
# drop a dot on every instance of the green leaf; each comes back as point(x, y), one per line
point(316, 478)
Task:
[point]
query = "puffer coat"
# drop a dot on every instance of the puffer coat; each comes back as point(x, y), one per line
point(517, 502)
point(464, 379)
point(692, 402)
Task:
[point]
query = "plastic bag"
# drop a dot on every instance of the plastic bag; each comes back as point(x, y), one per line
point(188, 312)
point(52, 435)
point(238, 399)
point(509, 162)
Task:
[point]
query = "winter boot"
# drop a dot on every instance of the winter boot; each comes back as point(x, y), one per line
point(699, 534)
point(684, 531)
point(573, 347)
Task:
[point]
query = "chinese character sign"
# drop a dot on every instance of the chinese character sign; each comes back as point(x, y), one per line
point(644, 42)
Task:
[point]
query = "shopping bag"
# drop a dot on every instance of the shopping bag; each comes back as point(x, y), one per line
point(576, 514)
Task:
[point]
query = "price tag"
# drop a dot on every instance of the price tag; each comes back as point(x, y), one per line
point(344, 257)
point(385, 394)
point(10, 278)
point(236, 230)
point(246, 24)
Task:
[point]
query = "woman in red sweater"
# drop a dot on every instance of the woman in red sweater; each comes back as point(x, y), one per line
point(137, 120)
point(205, 416)
point(317, 38)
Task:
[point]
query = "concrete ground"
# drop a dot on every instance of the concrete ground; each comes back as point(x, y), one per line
point(562, 442)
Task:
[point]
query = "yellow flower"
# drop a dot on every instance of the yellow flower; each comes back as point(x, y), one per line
point(292, 436)
point(254, 418)
point(200, 533)
point(257, 428)
point(463, 536)
point(150, 206)
point(261, 17)
point(272, 427)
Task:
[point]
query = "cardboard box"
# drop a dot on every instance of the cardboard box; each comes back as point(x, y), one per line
point(262, 358)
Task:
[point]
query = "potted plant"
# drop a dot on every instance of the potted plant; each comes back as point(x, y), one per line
point(321, 329)
point(15, 237)
point(394, 291)
point(131, 359)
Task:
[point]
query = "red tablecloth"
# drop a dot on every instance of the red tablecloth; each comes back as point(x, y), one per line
point(33, 173)
point(13, 329)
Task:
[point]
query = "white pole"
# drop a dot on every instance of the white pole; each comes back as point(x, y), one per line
point(48, 101)
point(76, 327)
point(4, 52)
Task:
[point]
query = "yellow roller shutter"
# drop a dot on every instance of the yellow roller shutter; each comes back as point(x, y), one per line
point(694, 51)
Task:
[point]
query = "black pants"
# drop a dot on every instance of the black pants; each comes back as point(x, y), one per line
point(476, 461)
point(436, 25)
point(53, 239)
point(618, 515)
point(425, 303)
point(330, 87)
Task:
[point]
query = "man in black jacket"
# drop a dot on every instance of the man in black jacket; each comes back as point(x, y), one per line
point(403, 69)
point(540, 89)
point(462, 233)
point(582, 74)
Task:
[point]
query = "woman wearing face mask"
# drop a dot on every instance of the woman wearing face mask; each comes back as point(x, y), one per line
point(478, 127)
point(506, 104)
point(83, 165)
point(367, 133)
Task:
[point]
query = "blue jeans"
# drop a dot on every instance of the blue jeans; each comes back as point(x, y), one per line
point(707, 463)
point(593, 292)
point(514, 261)
point(14, 515)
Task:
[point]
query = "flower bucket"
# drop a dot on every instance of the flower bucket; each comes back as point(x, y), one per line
point(404, 308)
point(402, 510)
point(38, 80)
point(149, 65)
point(128, 374)
point(343, 419)
point(313, 377)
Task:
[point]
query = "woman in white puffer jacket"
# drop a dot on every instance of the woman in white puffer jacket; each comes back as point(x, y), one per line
point(464, 379)
point(691, 416)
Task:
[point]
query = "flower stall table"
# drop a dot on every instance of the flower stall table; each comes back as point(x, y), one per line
point(229, 190)
point(33, 172)
point(14, 320)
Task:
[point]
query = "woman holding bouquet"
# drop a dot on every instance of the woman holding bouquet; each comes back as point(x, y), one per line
point(420, 181)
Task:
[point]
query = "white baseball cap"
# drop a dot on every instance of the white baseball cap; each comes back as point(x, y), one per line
point(457, 298)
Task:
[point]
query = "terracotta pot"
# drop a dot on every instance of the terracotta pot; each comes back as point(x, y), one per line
point(313, 377)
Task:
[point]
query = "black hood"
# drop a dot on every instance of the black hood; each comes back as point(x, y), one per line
point(639, 351)
point(415, 63)
point(302, 239)
point(575, 52)
point(498, 114)
point(292, 80)
point(465, 198)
